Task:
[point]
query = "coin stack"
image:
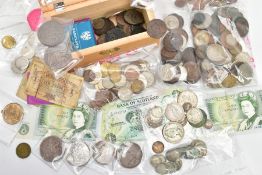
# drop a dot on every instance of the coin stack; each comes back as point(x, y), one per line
point(223, 61)
point(121, 25)
point(124, 80)
point(176, 115)
point(171, 162)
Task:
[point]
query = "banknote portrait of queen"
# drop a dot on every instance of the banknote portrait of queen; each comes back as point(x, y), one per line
point(249, 106)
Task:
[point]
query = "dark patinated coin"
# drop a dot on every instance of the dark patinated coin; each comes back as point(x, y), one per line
point(99, 23)
point(156, 28)
point(130, 155)
point(23, 150)
point(114, 34)
point(51, 33)
point(193, 72)
point(180, 3)
point(133, 17)
point(173, 41)
point(120, 20)
point(201, 52)
point(101, 39)
point(135, 29)
point(89, 75)
point(104, 95)
point(51, 148)
point(242, 26)
point(106, 23)
point(189, 55)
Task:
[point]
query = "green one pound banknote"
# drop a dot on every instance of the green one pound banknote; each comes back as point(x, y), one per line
point(241, 111)
point(63, 122)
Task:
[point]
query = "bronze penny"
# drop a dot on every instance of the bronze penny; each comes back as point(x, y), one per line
point(89, 75)
point(8, 42)
point(104, 95)
point(168, 54)
point(120, 20)
point(180, 3)
point(156, 28)
point(23, 150)
point(229, 82)
point(193, 72)
point(132, 72)
point(242, 26)
point(99, 23)
point(208, 124)
point(173, 41)
point(12, 113)
point(201, 52)
point(51, 148)
point(137, 86)
point(158, 147)
point(133, 17)
point(189, 55)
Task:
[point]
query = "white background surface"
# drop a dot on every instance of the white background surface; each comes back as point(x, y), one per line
point(249, 144)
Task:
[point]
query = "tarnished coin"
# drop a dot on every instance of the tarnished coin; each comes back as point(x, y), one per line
point(173, 21)
point(217, 54)
point(115, 34)
point(51, 148)
point(169, 73)
point(106, 96)
point(51, 33)
point(242, 26)
point(156, 28)
point(187, 98)
point(130, 155)
point(157, 159)
point(201, 52)
point(175, 112)
point(243, 72)
point(91, 76)
point(193, 72)
point(150, 78)
point(23, 150)
point(124, 94)
point(104, 152)
point(133, 17)
point(189, 55)
point(173, 41)
point(99, 23)
point(56, 58)
point(8, 42)
point(20, 65)
point(79, 154)
point(196, 117)
point(230, 81)
point(154, 117)
point(137, 86)
point(202, 38)
point(173, 132)
point(197, 150)
point(180, 3)
point(132, 72)
point(172, 57)
point(158, 147)
point(12, 113)
point(216, 27)
point(166, 168)
point(208, 124)
point(202, 20)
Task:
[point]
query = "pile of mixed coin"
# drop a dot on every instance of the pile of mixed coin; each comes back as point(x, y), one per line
point(121, 25)
point(118, 80)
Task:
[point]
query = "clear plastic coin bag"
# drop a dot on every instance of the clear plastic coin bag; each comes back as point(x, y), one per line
point(144, 4)
point(222, 47)
point(130, 75)
point(55, 46)
point(51, 150)
point(13, 111)
point(131, 158)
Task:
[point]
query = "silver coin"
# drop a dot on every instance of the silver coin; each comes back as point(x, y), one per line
point(56, 58)
point(122, 82)
point(130, 155)
point(51, 148)
point(157, 159)
point(203, 23)
point(175, 112)
point(154, 117)
point(172, 22)
point(28, 52)
point(51, 33)
point(104, 152)
point(173, 132)
point(20, 65)
point(79, 154)
point(124, 93)
point(217, 54)
point(243, 57)
point(186, 98)
point(243, 71)
point(150, 78)
point(107, 83)
point(196, 117)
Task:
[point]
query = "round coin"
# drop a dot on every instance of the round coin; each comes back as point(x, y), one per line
point(51, 33)
point(202, 38)
point(175, 113)
point(196, 117)
point(173, 132)
point(157, 159)
point(124, 94)
point(12, 113)
point(173, 41)
point(24, 129)
point(187, 98)
point(23, 150)
point(229, 82)
point(208, 124)
point(172, 22)
point(51, 148)
point(156, 28)
point(8, 42)
point(132, 72)
point(79, 154)
point(217, 54)
point(137, 86)
point(20, 65)
point(242, 26)
point(193, 72)
point(130, 155)
point(154, 117)
point(158, 147)
point(150, 78)
point(133, 17)
point(103, 152)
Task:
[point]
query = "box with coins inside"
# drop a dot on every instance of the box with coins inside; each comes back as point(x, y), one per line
point(119, 28)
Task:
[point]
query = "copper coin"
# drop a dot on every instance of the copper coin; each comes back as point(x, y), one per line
point(8, 42)
point(156, 28)
point(120, 20)
point(23, 150)
point(12, 113)
point(173, 41)
point(51, 148)
point(229, 82)
point(202, 38)
point(132, 72)
point(242, 26)
point(99, 23)
point(104, 95)
point(89, 75)
point(130, 155)
point(193, 72)
point(208, 124)
point(137, 86)
point(158, 147)
point(180, 3)
point(189, 55)
point(201, 52)
point(133, 17)
point(101, 39)
point(51, 33)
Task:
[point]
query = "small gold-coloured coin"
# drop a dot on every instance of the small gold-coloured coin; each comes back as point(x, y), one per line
point(137, 86)
point(23, 150)
point(115, 77)
point(229, 82)
point(8, 42)
point(12, 113)
point(158, 147)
